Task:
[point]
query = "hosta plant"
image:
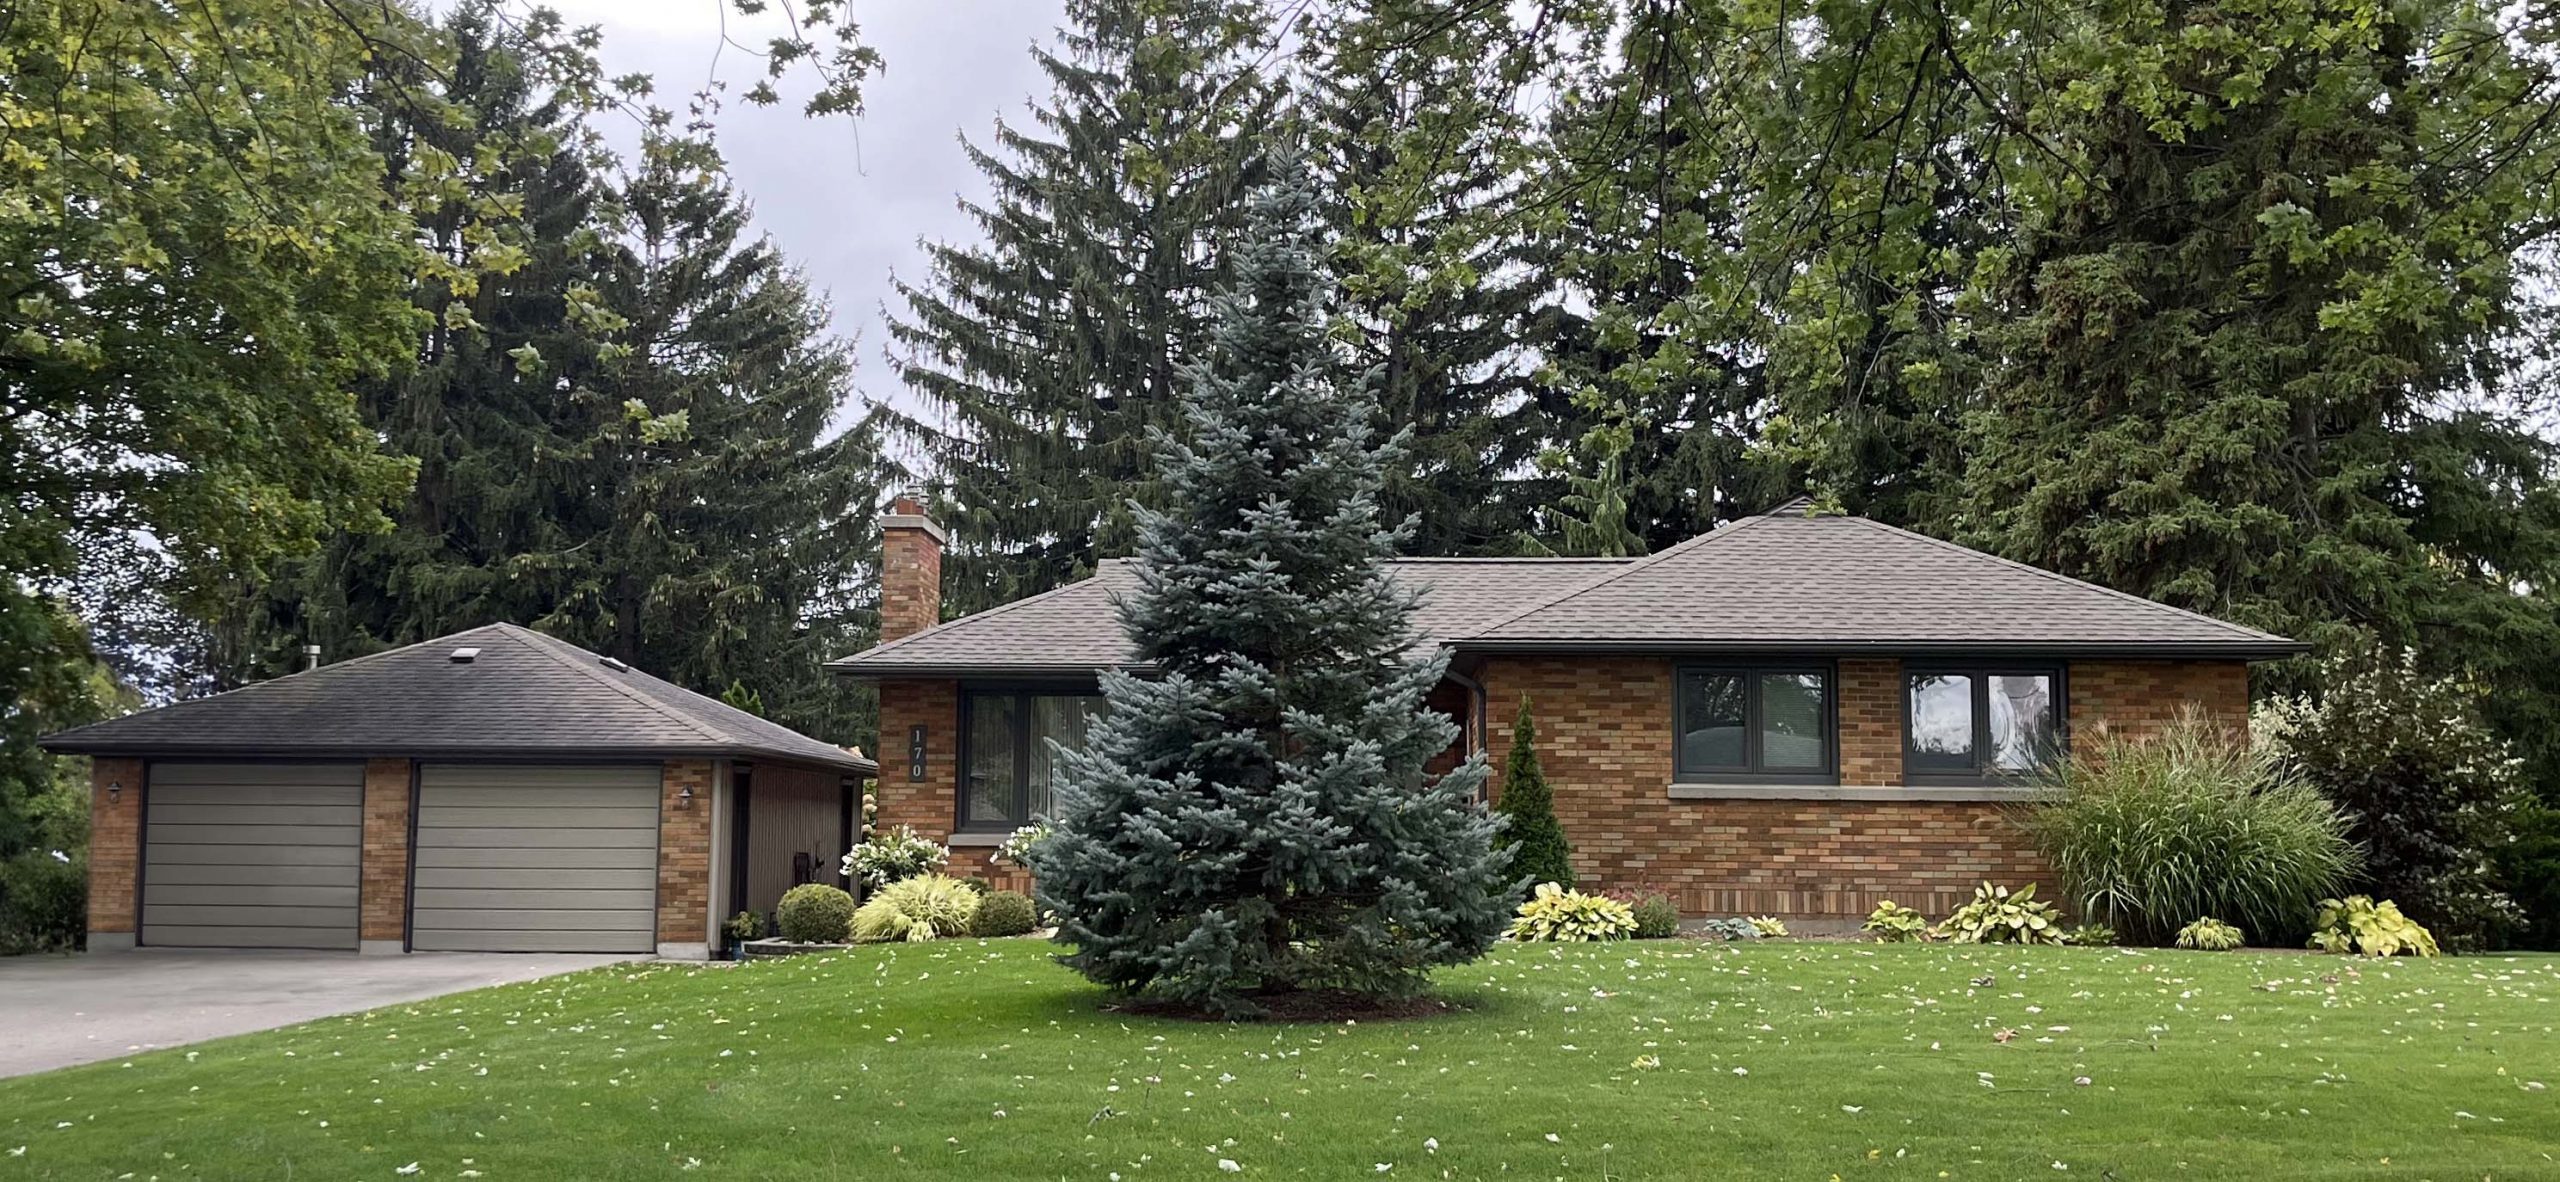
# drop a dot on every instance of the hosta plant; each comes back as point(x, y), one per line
point(1768, 925)
point(2210, 935)
point(1554, 913)
point(1894, 923)
point(926, 907)
point(813, 913)
point(1731, 929)
point(888, 857)
point(2358, 924)
point(1998, 915)
point(2089, 935)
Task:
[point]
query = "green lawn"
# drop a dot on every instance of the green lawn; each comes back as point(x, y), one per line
point(982, 1060)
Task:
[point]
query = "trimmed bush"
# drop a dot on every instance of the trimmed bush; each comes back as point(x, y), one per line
point(1004, 913)
point(1554, 913)
point(2147, 835)
point(1998, 915)
point(926, 907)
point(1894, 923)
point(2211, 935)
point(814, 913)
point(1531, 832)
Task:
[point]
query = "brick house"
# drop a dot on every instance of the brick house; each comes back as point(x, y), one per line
point(495, 790)
point(1793, 714)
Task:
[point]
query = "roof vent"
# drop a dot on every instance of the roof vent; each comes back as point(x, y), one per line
point(464, 656)
point(614, 663)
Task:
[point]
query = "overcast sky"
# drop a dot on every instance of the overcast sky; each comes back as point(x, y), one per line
point(850, 199)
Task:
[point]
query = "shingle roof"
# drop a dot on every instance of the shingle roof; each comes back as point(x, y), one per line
point(524, 694)
point(1782, 581)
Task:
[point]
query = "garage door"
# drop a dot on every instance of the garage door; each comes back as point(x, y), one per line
point(246, 855)
point(535, 859)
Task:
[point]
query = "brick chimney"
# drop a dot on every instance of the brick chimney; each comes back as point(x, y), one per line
point(910, 568)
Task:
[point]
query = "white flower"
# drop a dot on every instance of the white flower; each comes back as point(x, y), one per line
point(1228, 1165)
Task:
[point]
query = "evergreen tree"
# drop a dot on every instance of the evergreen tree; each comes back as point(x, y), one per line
point(1534, 836)
point(1047, 354)
point(1252, 817)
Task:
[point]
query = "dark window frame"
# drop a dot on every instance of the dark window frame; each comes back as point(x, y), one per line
point(1920, 769)
point(1021, 692)
point(1756, 770)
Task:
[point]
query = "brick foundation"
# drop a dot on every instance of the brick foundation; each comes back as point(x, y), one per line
point(116, 791)
point(684, 858)
point(384, 895)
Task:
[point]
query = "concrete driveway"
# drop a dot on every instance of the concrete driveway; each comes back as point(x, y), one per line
point(62, 1010)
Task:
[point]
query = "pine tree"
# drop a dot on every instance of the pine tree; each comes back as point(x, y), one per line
point(1252, 817)
point(1047, 354)
point(1534, 836)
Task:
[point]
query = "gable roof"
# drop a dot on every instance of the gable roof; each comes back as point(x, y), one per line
point(523, 695)
point(1786, 580)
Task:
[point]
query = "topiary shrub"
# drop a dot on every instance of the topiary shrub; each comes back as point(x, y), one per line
point(1554, 913)
point(1998, 915)
point(927, 907)
point(1004, 913)
point(1531, 832)
point(814, 913)
point(2429, 793)
point(2211, 935)
point(2358, 924)
point(2148, 834)
point(1894, 923)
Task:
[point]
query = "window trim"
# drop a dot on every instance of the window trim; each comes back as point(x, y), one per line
point(1917, 773)
point(1021, 692)
point(1751, 669)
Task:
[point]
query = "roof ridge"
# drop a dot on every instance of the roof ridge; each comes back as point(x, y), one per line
point(1570, 593)
point(990, 613)
point(545, 643)
point(2059, 577)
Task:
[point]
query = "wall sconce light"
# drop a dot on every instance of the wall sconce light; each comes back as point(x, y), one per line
point(684, 797)
point(915, 754)
point(115, 791)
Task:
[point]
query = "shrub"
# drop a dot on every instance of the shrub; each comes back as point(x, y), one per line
point(1016, 850)
point(2148, 834)
point(2089, 935)
point(2530, 868)
point(1999, 916)
point(2429, 793)
point(926, 907)
point(747, 925)
point(1657, 917)
point(889, 857)
point(1768, 925)
point(1530, 829)
point(44, 902)
point(814, 913)
point(2358, 924)
point(1554, 913)
point(1004, 913)
point(1730, 929)
point(1894, 923)
point(2211, 935)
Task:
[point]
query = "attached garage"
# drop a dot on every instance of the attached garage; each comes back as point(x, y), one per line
point(534, 858)
point(252, 855)
point(496, 790)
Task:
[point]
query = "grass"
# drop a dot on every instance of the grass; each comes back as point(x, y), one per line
point(982, 1060)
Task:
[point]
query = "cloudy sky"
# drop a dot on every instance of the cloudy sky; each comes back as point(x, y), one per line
point(850, 199)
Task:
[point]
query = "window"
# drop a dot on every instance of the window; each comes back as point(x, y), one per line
point(1007, 769)
point(1980, 724)
point(1754, 722)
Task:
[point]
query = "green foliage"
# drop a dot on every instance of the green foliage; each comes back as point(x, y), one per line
point(1530, 831)
point(2360, 925)
point(1045, 354)
point(1657, 917)
point(1998, 916)
point(2145, 834)
point(1254, 815)
point(1016, 850)
point(2530, 868)
point(885, 858)
point(1554, 913)
point(1731, 928)
point(927, 907)
point(814, 913)
point(1769, 925)
point(2090, 935)
point(745, 926)
point(2430, 795)
point(1894, 923)
point(2210, 935)
point(1004, 913)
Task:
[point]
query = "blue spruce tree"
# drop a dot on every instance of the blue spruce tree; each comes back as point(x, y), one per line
point(1252, 819)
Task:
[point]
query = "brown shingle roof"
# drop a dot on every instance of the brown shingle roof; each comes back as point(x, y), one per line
point(524, 695)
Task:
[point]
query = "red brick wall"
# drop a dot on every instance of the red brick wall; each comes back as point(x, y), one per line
point(684, 853)
point(925, 805)
point(384, 895)
point(910, 575)
point(1604, 739)
point(115, 845)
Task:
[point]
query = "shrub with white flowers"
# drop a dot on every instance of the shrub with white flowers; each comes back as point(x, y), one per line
point(1016, 850)
point(893, 856)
